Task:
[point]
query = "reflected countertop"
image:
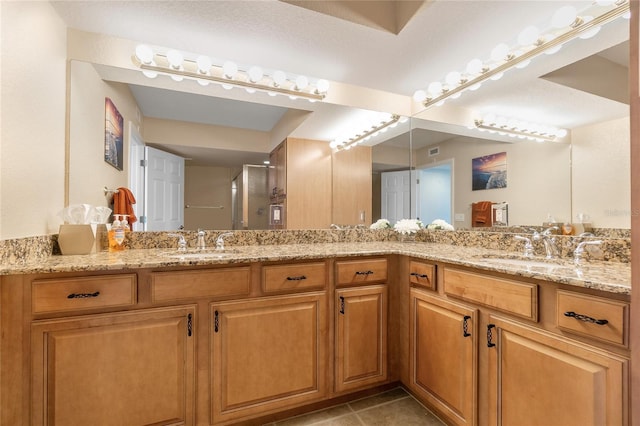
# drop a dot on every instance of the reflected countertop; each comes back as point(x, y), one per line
point(613, 277)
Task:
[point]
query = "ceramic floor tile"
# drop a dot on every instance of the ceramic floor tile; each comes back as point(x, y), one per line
point(405, 412)
point(348, 420)
point(378, 399)
point(317, 416)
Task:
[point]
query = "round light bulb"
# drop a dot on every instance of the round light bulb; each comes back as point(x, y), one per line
point(177, 77)
point(175, 58)
point(301, 82)
point(144, 54)
point(435, 88)
point(420, 96)
point(554, 49)
point(523, 64)
point(255, 74)
point(229, 69)
point(591, 32)
point(227, 86)
point(475, 87)
point(453, 78)
point(564, 17)
point(500, 52)
point(528, 36)
point(204, 64)
point(150, 74)
point(203, 82)
point(497, 76)
point(489, 119)
point(456, 95)
point(474, 66)
point(604, 2)
point(561, 133)
point(322, 86)
point(279, 78)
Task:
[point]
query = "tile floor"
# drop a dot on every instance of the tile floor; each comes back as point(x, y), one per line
point(392, 408)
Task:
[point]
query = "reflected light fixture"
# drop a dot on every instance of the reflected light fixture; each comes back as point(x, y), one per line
point(365, 135)
point(228, 75)
point(566, 25)
point(519, 129)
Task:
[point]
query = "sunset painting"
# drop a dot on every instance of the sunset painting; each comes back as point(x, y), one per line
point(489, 171)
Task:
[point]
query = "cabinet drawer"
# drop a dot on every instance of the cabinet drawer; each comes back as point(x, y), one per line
point(71, 294)
point(592, 316)
point(299, 276)
point(422, 274)
point(200, 284)
point(514, 297)
point(367, 271)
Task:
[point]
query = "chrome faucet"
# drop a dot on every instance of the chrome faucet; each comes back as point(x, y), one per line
point(578, 253)
point(528, 247)
point(182, 243)
point(549, 241)
point(220, 240)
point(200, 242)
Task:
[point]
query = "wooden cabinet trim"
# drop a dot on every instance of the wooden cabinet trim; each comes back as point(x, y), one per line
point(294, 277)
point(361, 272)
point(83, 293)
point(514, 297)
point(422, 274)
point(615, 313)
point(200, 284)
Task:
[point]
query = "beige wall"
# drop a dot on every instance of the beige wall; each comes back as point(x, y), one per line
point(32, 138)
point(601, 173)
point(88, 172)
point(538, 178)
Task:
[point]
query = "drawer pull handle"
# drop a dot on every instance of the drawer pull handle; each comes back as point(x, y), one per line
point(490, 343)
point(342, 305)
point(415, 274)
point(465, 326)
point(364, 272)
point(586, 318)
point(300, 278)
point(83, 295)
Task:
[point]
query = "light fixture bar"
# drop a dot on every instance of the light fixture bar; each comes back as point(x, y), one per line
point(196, 75)
point(360, 137)
point(516, 132)
point(539, 49)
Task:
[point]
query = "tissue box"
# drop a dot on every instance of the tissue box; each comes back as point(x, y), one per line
point(81, 239)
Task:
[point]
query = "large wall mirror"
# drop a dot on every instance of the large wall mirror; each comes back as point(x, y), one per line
point(225, 142)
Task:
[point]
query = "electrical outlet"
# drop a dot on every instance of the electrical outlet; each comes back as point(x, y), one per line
point(459, 217)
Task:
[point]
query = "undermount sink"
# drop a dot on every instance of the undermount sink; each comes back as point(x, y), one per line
point(200, 254)
point(514, 260)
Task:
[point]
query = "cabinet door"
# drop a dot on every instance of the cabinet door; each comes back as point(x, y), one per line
point(551, 380)
point(267, 355)
point(361, 337)
point(134, 368)
point(443, 363)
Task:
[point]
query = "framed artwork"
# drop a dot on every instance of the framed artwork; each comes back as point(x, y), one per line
point(489, 171)
point(113, 135)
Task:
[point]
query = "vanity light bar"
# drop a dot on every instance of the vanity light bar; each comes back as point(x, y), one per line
point(361, 137)
point(579, 27)
point(547, 135)
point(161, 64)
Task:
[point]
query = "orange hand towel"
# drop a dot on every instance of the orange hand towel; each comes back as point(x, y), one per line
point(481, 213)
point(123, 202)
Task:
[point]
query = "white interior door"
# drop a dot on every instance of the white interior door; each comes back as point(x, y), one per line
point(396, 196)
point(136, 175)
point(164, 182)
point(435, 194)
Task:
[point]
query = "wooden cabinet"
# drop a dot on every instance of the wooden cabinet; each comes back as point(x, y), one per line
point(493, 350)
point(302, 178)
point(267, 355)
point(134, 368)
point(352, 186)
point(443, 346)
point(361, 337)
point(549, 380)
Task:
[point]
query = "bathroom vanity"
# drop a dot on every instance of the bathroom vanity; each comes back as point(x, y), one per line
point(266, 332)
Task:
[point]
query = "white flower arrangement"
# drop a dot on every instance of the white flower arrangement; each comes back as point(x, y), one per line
point(380, 224)
point(440, 224)
point(408, 226)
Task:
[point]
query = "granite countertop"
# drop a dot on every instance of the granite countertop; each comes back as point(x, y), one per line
point(613, 277)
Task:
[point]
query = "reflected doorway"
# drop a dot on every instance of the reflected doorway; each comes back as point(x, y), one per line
point(435, 192)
